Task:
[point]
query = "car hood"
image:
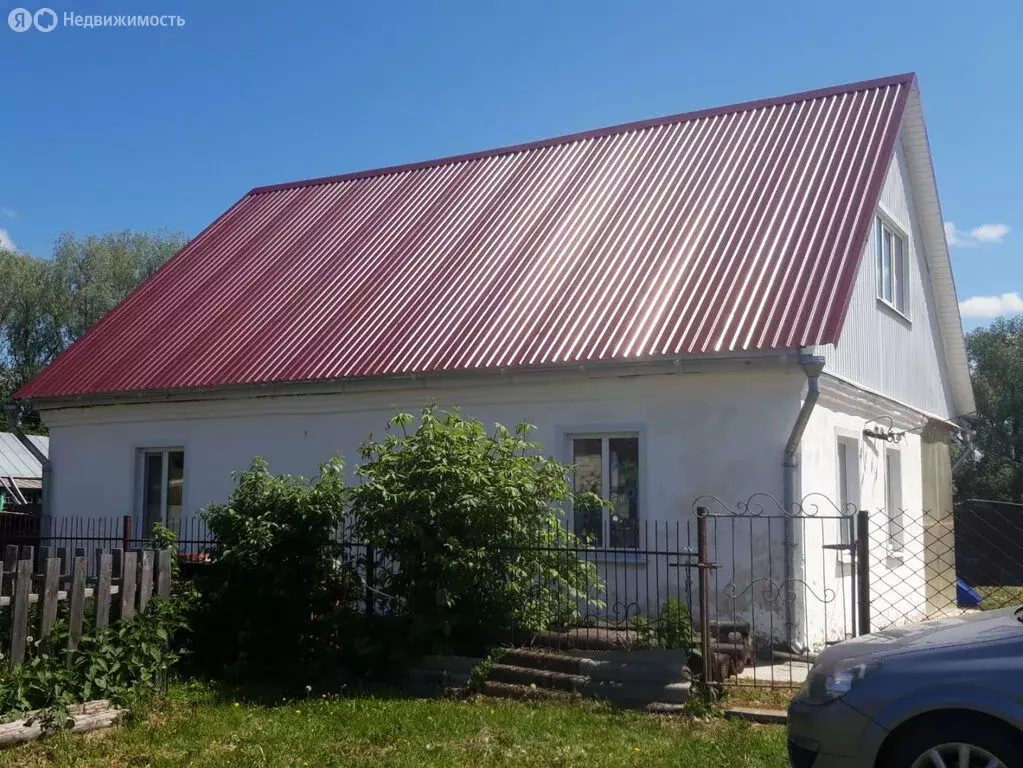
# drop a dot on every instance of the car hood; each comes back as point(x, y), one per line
point(980, 627)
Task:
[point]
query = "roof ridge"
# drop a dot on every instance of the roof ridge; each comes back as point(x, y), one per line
point(610, 130)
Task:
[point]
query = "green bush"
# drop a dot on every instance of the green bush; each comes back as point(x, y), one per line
point(124, 662)
point(271, 595)
point(675, 628)
point(467, 526)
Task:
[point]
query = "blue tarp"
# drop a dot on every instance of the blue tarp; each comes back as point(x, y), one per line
point(966, 596)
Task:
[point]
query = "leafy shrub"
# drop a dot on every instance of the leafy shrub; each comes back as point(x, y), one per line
point(275, 583)
point(467, 526)
point(124, 662)
point(675, 628)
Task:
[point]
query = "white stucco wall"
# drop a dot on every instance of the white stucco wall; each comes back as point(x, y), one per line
point(701, 435)
point(897, 587)
point(719, 434)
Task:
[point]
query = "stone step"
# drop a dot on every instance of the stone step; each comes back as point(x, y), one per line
point(634, 695)
point(537, 659)
point(666, 708)
point(541, 678)
point(525, 692)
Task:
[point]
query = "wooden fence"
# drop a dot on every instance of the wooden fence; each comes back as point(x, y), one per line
point(133, 577)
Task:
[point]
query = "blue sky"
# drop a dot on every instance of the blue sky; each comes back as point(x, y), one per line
point(112, 128)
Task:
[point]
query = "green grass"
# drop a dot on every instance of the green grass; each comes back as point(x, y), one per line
point(195, 728)
point(999, 597)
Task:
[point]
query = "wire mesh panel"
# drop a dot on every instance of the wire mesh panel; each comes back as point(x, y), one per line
point(934, 564)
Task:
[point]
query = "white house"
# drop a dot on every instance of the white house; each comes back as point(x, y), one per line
point(723, 300)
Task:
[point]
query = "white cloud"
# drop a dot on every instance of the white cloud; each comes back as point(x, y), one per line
point(990, 233)
point(5, 241)
point(10, 213)
point(992, 306)
point(985, 233)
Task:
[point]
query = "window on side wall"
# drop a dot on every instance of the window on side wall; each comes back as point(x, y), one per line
point(892, 255)
point(893, 500)
point(848, 486)
point(162, 480)
point(607, 465)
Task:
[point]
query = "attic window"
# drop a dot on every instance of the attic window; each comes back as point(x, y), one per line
point(892, 266)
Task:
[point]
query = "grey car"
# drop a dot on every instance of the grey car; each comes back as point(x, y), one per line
point(941, 694)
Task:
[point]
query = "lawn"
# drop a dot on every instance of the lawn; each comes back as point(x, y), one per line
point(197, 728)
point(1000, 597)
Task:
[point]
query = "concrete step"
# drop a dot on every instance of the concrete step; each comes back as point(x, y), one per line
point(666, 708)
point(541, 678)
point(633, 694)
point(538, 659)
point(525, 692)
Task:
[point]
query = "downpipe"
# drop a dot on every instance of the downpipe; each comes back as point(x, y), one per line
point(812, 366)
point(14, 411)
point(968, 449)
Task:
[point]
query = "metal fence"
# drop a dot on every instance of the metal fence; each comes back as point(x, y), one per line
point(792, 581)
point(766, 587)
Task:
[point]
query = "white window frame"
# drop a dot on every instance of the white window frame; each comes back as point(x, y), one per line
point(894, 504)
point(605, 480)
point(851, 445)
point(141, 455)
point(885, 225)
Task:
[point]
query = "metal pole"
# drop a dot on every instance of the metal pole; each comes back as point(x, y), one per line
point(704, 564)
point(862, 561)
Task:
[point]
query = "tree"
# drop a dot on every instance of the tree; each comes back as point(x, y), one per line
point(996, 367)
point(46, 304)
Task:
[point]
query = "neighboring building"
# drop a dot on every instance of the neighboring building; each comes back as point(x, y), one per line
point(652, 296)
point(21, 474)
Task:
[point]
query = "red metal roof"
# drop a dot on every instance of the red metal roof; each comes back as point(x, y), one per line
point(738, 228)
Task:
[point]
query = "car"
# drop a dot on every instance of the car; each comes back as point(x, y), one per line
point(946, 693)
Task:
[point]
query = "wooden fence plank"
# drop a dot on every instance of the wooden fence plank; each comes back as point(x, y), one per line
point(19, 622)
point(128, 583)
point(28, 553)
point(50, 587)
point(163, 573)
point(145, 579)
point(106, 562)
point(77, 602)
point(10, 558)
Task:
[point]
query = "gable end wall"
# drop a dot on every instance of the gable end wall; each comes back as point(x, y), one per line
point(901, 358)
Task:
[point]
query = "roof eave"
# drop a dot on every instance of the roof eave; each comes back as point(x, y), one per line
point(744, 361)
point(925, 189)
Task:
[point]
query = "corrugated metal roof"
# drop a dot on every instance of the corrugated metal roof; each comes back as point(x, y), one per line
point(16, 460)
point(738, 228)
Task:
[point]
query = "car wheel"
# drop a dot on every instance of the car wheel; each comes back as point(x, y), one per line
point(948, 743)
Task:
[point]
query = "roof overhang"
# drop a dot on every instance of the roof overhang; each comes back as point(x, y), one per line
point(748, 362)
point(925, 189)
